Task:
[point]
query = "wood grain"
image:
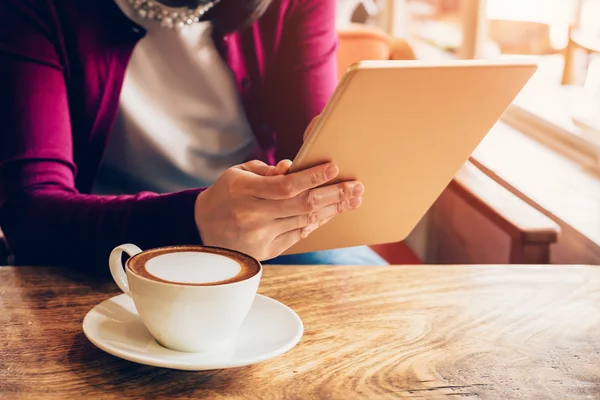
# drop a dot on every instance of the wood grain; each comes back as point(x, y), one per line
point(426, 332)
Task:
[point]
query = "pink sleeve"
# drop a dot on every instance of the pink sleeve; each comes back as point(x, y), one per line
point(305, 71)
point(44, 217)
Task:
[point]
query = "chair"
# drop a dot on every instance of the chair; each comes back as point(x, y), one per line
point(531, 233)
point(521, 37)
point(363, 42)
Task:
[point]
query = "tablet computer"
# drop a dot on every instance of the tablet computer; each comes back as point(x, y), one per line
point(404, 129)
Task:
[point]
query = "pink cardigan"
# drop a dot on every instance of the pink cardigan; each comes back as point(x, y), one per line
point(62, 64)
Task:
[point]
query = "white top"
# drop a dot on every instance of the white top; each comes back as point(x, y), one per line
point(180, 122)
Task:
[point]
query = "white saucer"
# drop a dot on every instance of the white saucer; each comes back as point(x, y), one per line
point(270, 329)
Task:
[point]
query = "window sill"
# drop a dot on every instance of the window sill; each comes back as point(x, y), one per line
point(555, 184)
point(561, 117)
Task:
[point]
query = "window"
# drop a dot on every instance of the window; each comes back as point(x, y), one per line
point(561, 104)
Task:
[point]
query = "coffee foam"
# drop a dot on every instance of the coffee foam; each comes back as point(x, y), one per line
point(193, 265)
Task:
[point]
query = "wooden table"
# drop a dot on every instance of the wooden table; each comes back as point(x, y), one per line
point(427, 332)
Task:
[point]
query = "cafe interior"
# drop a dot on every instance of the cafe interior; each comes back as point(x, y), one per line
point(530, 193)
point(493, 295)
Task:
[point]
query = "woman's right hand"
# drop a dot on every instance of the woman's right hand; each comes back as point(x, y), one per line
point(259, 212)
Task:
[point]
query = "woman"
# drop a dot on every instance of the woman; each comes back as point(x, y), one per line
point(158, 99)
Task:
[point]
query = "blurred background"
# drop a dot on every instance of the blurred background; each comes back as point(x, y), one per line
point(563, 35)
point(531, 190)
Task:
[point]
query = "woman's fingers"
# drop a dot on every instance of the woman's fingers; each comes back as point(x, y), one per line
point(306, 220)
point(283, 167)
point(311, 201)
point(280, 169)
point(283, 187)
point(288, 239)
point(256, 167)
point(260, 168)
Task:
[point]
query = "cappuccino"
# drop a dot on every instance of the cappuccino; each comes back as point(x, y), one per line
point(193, 265)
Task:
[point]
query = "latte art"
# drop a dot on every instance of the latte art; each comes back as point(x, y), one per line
point(189, 265)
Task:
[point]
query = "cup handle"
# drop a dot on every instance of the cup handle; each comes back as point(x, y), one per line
point(116, 265)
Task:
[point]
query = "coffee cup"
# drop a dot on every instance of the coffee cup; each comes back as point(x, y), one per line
point(190, 298)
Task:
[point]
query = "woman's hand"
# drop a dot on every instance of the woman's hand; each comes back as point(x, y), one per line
point(258, 210)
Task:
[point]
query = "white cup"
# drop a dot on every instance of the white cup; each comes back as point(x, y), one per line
point(186, 317)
